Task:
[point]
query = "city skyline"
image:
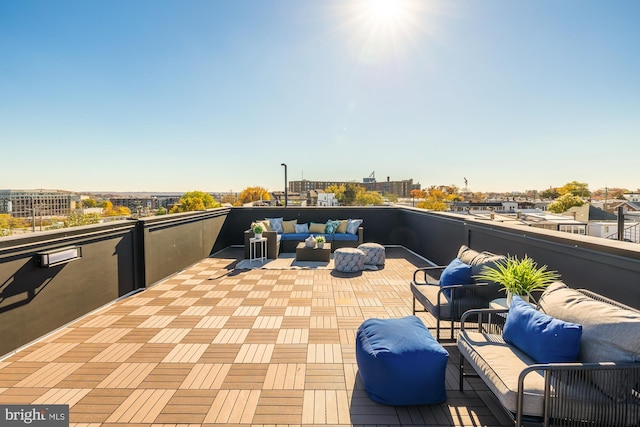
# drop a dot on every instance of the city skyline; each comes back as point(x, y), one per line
point(163, 96)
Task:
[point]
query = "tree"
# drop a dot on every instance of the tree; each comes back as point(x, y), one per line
point(367, 198)
point(78, 218)
point(230, 198)
point(437, 198)
point(253, 194)
point(609, 193)
point(564, 202)
point(89, 203)
point(550, 194)
point(477, 197)
point(195, 201)
point(338, 191)
point(418, 194)
point(350, 194)
point(5, 224)
point(162, 211)
point(109, 210)
point(122, 211)
point(392, 197)
point(575, 188)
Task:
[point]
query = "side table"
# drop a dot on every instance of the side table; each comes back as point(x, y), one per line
point(498, 303)
point(254, 245)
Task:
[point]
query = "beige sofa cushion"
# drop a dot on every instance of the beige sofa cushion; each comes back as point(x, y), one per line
point(289, 226)
point(477, 260)
point(499, 365)
point(609, 334)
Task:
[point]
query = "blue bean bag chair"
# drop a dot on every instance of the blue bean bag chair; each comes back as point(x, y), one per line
point(400, 362)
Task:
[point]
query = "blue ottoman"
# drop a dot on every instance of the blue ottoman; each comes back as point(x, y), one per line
point(400, 362)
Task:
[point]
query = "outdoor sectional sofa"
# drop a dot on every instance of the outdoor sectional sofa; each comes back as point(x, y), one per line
point(542, 369)
point(450, 302)
point(284, 235)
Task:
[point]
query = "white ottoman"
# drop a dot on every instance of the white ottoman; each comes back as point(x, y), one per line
point(373, 253)
point(348, 260)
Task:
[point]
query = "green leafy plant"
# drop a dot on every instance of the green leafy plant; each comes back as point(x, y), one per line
point(519, 276)
point(258, 229)
point(320, 239)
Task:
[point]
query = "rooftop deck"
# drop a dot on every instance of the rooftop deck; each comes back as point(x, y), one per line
point(217, 345)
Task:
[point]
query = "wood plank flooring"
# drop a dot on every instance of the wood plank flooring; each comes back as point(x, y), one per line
point(213, 345)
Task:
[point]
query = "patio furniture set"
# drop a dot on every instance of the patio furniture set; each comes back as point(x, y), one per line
point(573, 358)
point(344, 238)
point(285, 235)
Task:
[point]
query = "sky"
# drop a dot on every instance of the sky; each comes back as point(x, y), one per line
point(214, 95)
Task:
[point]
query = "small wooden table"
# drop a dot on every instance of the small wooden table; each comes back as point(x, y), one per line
point(313, 254)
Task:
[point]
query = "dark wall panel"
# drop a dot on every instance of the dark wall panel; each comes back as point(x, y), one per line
point(173, 242)
point(435, 236)
point(608, 267)
point(34, 301)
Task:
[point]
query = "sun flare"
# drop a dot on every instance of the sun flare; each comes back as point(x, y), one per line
point(386, 12)
point(383, 29)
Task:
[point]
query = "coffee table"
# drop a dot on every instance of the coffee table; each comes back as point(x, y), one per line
point(313, 254)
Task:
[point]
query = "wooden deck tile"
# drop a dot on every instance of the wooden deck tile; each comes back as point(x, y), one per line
point(49, 375)
point(62, 396)
point(285, 376)
point(142, 406)
point(257, 347)
point(208, 376)
point(127, 375)
point(233, 406)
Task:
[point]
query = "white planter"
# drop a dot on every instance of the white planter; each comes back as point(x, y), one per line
point(257, 235)
point(510, 296)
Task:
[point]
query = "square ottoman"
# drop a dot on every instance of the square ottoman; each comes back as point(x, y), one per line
point(400, 362)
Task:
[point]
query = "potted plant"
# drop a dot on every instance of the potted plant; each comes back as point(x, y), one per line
point(320, 241)
point(257, 231)
point(518, 276)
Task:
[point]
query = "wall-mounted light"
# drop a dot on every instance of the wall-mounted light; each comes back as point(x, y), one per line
point(58, 256)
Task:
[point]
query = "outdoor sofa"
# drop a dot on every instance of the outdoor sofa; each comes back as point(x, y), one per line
point(543, 370)
point(458, 292)
point(284, 235)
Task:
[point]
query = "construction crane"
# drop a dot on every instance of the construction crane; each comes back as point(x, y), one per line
point(371, 178)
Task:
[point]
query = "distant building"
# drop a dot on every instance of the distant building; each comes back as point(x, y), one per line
point(326, 199)
point(632, 197)
point(137, 205)
point(43, 203)
point(293, 198)
point(549, 221)
point(164, 200)
point(483, 207)
point(400, 188)
point(604, 224)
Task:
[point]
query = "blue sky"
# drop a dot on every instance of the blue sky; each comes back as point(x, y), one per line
point(158, 95)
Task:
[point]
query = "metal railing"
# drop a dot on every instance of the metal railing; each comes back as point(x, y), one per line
point(630, 234)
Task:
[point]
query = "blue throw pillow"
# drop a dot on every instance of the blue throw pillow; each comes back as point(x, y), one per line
point(331, 226)
point(276, 224)
point(353, 225)
point(544, 338)
point(302, 228)
point(456, 273)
